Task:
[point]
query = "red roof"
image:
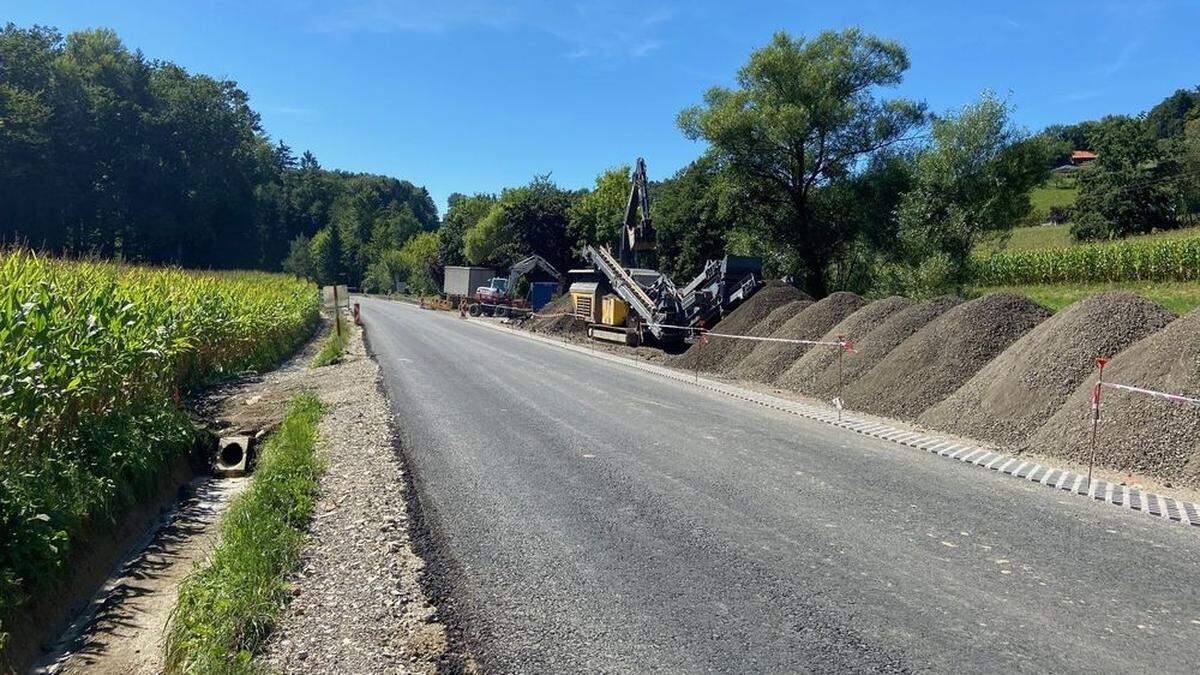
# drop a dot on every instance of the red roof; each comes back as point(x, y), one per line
point(1077, 155)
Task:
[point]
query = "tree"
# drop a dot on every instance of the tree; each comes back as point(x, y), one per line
point(491, 240)
point(299, 259)
point(325, 256)
point(693, 212)
point(528, 219)
point(419, 258)
point(803, 117)
point(973, 181)
point(463, 213)
point(1132, 187)
point(596, 217)
point(1167, 119)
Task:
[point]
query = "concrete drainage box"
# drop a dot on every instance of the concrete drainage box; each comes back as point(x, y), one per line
point(233, 456)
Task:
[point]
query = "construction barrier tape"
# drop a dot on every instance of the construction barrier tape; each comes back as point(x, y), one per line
point(843, 344)
point(1182, 400)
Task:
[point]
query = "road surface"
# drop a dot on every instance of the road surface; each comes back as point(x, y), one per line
point(592, 517)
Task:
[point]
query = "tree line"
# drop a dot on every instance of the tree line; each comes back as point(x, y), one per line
point(105, 152)
point(809, 163)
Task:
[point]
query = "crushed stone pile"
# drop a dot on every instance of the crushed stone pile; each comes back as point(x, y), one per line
point(733, 351)
point(769, 360)
point(1022, 388)
point(1137, 433)
point(877, 344)
point(806, 374)
point(557, 325)
point(740, 321)
point(939, 358)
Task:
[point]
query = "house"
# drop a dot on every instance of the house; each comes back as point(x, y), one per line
point(1081, 157)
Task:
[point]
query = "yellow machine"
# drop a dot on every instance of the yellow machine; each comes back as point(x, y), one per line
point(607, 315)
point(613, 311)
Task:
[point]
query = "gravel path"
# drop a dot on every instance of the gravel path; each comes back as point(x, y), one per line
point(357, 604)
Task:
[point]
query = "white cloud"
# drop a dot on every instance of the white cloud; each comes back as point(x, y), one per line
point(590, 29)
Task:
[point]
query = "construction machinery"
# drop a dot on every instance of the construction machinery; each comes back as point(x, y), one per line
point(498, 297)
point(624, 303)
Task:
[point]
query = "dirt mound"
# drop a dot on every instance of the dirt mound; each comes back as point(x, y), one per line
point(806, 373)
point(769, 360)
point(739, 322)
point(942, 356)
point(1021, 388)
point(556, 318)
point(1137, 433)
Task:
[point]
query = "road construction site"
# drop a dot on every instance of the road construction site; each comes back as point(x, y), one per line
point(591, 511)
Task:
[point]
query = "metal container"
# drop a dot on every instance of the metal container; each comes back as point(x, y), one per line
point(462, 281)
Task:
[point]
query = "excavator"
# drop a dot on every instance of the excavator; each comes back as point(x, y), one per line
point(497, 298)
point(627, 304)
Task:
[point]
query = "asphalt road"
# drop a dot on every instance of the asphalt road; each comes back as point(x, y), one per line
point(592, 517)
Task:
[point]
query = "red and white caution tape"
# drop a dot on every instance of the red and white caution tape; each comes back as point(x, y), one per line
point(1182, 400)
point(845, 344)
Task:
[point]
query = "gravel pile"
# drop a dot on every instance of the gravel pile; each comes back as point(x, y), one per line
point(942, 356)
point(557, 325)
point(877, 344)
point(1019, 390)
point(807, 373)
point(740, 321)
point(357, 605)
point(1138, 434)
point(735, 350)
point(768, 360)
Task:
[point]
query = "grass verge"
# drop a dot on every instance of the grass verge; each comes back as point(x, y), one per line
point(227, 608)
point(1179, 297)
point(334, 345)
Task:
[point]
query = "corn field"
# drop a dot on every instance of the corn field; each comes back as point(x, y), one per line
point(1159, 260)
point(95, 359)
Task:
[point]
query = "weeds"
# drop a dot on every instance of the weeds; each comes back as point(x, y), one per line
point(227, 608)
point(335, 344)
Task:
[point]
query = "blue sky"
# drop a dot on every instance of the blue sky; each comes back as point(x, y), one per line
point(478, 95)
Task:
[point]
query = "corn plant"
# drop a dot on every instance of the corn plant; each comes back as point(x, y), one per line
point(1123, 261)
point(96, 358)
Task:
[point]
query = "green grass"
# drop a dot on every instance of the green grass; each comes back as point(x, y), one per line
point(335, 344)
point(1055, 192)
point(96, 359)
point(227, 608)
point(1179, 297)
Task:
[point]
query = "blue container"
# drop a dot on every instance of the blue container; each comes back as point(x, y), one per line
point(540, 293)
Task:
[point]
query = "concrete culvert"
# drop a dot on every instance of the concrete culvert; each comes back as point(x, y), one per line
point(233, 454)
point(1137, 434)
point(769, 360)
point(1021, 388)
point(940, 357)
point(805, 375)
point(740, 321)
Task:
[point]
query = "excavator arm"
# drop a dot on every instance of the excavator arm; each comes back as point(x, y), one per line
point(637, 235)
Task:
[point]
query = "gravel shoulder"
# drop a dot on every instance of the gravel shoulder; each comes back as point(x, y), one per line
point(357, 601)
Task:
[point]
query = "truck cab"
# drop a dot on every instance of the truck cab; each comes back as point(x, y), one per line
point(494, 292)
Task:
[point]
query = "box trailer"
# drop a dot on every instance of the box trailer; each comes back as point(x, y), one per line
point(462, 281)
